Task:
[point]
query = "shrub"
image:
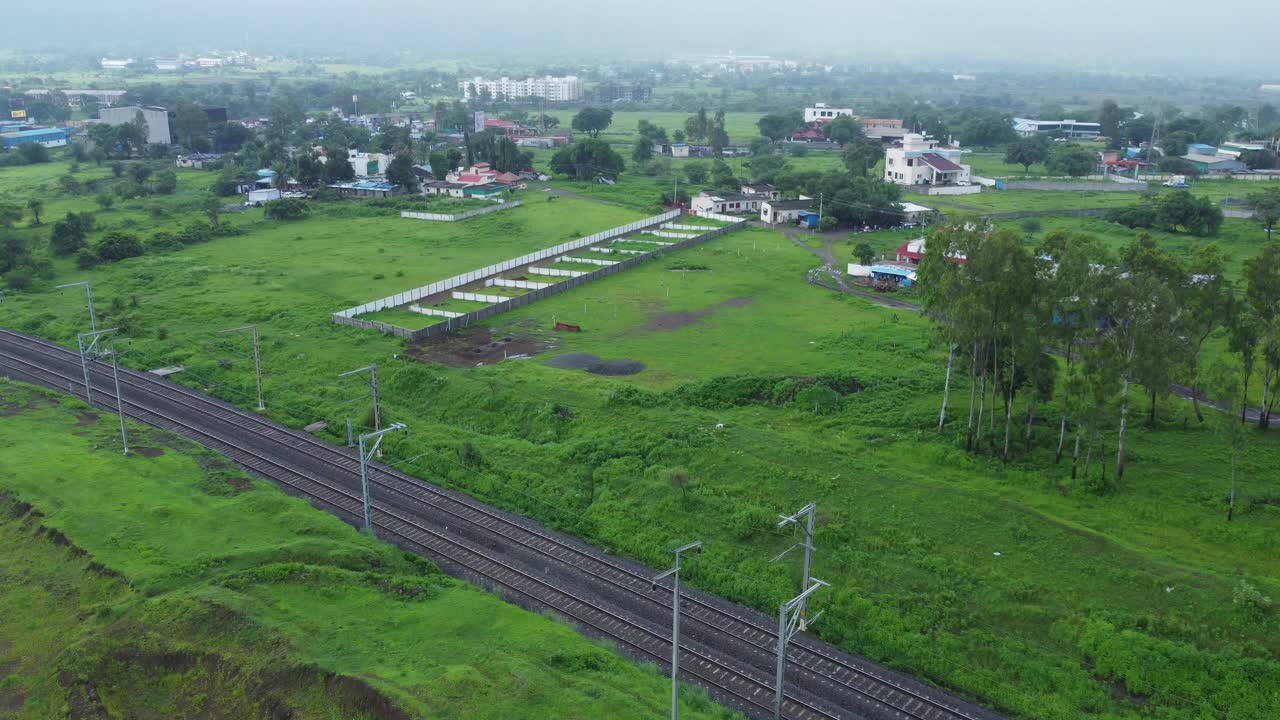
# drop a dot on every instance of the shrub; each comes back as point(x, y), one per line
point(118, 246)
point(821, 398)
point(286, 209)
point(86, 259)
point(1250, 599)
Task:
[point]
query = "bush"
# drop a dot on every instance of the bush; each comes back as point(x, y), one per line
point(1250, 600)
point(104, 201)
point(164, 242)
point(19, 278)
point(1134, 216)
point(117, 246)
point(166, 182)
point(286, 209)
point(86, 259)
point(827, 223)
point(822, 399)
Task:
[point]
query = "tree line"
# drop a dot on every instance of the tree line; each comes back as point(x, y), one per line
point(1071, 323)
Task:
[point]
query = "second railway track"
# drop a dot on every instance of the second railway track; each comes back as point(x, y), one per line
point(729, 649)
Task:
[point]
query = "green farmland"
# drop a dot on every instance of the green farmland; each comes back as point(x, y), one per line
point(1009, 583)
point(186, 586)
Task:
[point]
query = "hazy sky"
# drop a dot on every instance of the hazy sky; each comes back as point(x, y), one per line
point(1173, 33)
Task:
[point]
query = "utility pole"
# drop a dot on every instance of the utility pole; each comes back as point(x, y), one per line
point(257, 359)
point(819, 208)
point(788, 618)
point(784, 520)
point(675, 192)
point(376, 437)
point(675, 622)
point(88, 288)
point(373, 384)
point(92, 350)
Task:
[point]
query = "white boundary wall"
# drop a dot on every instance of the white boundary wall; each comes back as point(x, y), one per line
point(554, 272)
point(458, 280)
point(695, 228)
point(648, 242)
point(432, 311)
point(586, 261)
point(476, 297)
point(524, 284)
point(460, 216)
point(717, 216)
point(677, 235)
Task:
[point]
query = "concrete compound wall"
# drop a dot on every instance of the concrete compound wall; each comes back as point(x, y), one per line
point(409, 296)
point(525, 284)
point(478, 297)
point(442, 217)
point(554, 272)
point(586, 261)
point(459, 322)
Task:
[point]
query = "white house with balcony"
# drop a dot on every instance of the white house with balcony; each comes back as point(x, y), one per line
point(923, 163)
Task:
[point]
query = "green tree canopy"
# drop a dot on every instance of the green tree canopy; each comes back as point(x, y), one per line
point(592, 120)
point(1028, 151)
point(587, 159)
point(1071, 159)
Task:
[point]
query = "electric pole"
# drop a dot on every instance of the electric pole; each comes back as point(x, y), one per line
point(88, 288)
point(675, 622)
point(373, 385)
point(784, 520)
point(257, 360)
point(376, 437)
point(92, 350)
point(789, 616)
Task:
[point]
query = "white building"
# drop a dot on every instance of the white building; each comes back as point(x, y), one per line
point(555, 89)
point(1027, 127)
point(821, 112)
point(159, 131)
point(726, 203)
point(116, 63)
point(775, 212)
point(368, 164)
point(209, 62)
point(921, 160)
point(764, 191)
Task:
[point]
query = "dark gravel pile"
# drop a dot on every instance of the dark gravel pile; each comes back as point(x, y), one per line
point(595, 365)
point(616, 367)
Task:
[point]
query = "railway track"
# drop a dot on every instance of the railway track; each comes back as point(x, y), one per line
point(730, 649)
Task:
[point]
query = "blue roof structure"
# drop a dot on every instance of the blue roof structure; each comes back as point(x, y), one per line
point(367, 185)
point(39, 132)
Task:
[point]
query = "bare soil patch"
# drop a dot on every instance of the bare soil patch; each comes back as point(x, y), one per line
point(87, 418)
point(150, 452)
point(677, 320)
point(472, 347)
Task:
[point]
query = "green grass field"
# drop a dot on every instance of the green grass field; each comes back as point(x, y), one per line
point(1115, 605)
point(169, 584)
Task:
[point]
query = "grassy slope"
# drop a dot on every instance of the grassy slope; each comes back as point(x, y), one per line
point(910, 522)
point(221, 592)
